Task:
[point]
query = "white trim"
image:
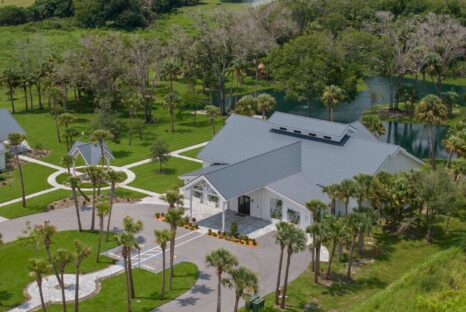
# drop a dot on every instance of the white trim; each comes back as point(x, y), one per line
point(408, 154)
point(197, 180)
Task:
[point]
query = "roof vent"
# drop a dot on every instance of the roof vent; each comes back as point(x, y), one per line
point(312, 134)
point(327, 137)
point(284, 129)
point(297, 131)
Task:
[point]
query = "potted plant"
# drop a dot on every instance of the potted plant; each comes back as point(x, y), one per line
point(193, 220)
point(209, 232)
point(157, 215)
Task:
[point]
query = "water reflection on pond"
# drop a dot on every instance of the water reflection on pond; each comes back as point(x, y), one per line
point(410, 136)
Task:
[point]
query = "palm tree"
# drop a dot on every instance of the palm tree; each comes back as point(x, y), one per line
point(74, 183)
point(333, 192)
point(132, 228)
point(93, 173)
point(160, 152)
point(125, 240)
point(317, 231)
point(281, 239)
point(65, 120)
point(212, 112)
point(161, 238)
point(336, 233)
point(374, 124)
point(174, 198)
point(244, 281)
point(56, 94)
point(246, 106)
point(357, 221)
point(431, 111)
point(102, 211)
point(99, 137)
point(223, 261)
point(113, 177)
point(346, 191)
point(80, 253)
point(61, 260)
point(69, 134)
point(361, 189)
point(331, 97)
point(265, 103)
point(316, 207)
point(16, 139)
point(45, 233)
point(11, 78)
point(295, 243)
point(171, 101)
point(174, 217)
point(38, 268)
point(133, 104)
point(451, 144)
point(458, 166)
point(67, 161)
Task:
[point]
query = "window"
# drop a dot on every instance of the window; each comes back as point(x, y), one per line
point(213, 199)
point(284, 129)
point(297, 131)
point(276, 208)
point(312, 134)
point(293, 216)
point(327, 137)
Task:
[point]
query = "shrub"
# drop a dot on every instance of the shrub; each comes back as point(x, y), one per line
point(13, 15)
point(234, 229)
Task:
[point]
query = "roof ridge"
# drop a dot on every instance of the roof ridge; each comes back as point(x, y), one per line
point(306, 117)
point(256, 156)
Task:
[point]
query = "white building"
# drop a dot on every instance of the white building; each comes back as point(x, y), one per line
point(270, 168)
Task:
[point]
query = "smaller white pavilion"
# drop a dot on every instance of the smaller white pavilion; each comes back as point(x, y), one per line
point(91, 153)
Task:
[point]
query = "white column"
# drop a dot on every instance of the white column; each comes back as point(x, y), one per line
point(223, 215)
point(191, 203)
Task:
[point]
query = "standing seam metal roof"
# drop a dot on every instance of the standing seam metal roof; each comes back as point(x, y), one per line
point(90, 152)
point(8, 125)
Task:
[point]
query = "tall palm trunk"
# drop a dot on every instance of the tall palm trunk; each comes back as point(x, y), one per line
point(172, 256)
point(130, 275)
point(130, 127)
point(30, 97)
point(62, 287)
point(350, 260)
point(112, 196)
point(162, 292)
point(128, 292)
point(41, 294)
point(330, 259)
point(101, 231)
point(93, 207)
point(76, 289)
point(76, 204)
point(313, 262)
point(12, 100)
point(219, 291)
point(317, 265)
point(280, 263)
point(25, 97)
point(235, 309)
point(39, 94)
point(54, 267)
point(285, 284)
point(23, 192)
point(360, 241)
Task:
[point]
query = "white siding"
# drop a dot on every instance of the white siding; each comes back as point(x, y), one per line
point(399, 163)
point(2, 161)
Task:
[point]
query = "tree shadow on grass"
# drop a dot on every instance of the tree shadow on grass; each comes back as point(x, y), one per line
point(342, 287)
point(121, 154)
point(165, 171)
point(5, 295)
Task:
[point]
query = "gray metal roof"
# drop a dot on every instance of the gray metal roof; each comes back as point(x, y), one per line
point(203, 171)
point(90, 152)
point(298, 188)
point(362, 132)
point(244, 137)
point(8, 125)
point(248, 175)
point(309, 125)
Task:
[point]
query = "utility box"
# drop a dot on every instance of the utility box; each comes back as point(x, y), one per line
point(258, 304)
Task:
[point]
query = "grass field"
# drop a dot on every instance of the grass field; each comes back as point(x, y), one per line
point(35, 180)
point(20, 3)
point(439, 284)
point(147, 287)
point(14, 259)
point(149, 178)
point(398, 256)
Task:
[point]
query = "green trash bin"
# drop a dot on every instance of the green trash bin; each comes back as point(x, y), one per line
point(249, 305)
point(258, 304)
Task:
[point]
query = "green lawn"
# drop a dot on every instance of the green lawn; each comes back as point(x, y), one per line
point(149, 178)
point(40, 128)
point(40, 203)
point(439, 284)
point(398, 256)
point(35, 180)
point(192, 153)
point(112, 296)
point(20, 3)
point(14, 258)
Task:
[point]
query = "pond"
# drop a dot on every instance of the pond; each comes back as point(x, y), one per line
point(412, 137)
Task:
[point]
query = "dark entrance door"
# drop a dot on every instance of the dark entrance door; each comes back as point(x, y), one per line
point(244, 204)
